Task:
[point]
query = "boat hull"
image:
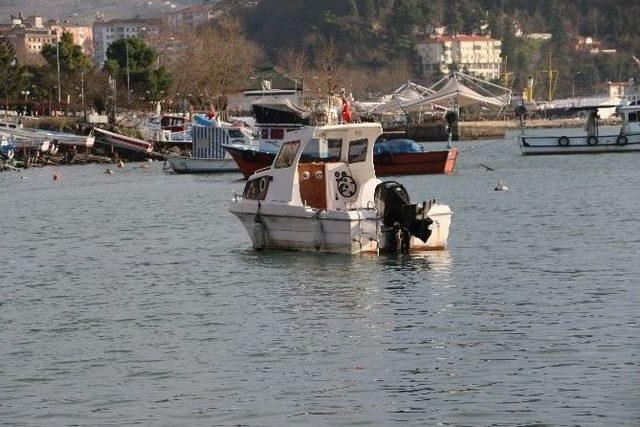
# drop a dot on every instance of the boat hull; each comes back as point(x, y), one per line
point(125, 142)
point(249, 161)
point(289, 227)
point(184, 164)
point(547, 145)
point(430, 162)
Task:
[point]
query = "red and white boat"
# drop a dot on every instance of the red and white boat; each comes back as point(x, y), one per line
point(124, 142)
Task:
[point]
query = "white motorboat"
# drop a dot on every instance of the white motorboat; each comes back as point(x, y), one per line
point(56, 138)
point(168, 128)
point(69, 139)
point(590, 140)
point(125, 142)
point(208, 154)
point(334, 202)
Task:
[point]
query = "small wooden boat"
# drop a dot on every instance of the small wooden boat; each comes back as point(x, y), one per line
point(406, 157)
point(251, 159)
point(590, 140)
point(124, 142)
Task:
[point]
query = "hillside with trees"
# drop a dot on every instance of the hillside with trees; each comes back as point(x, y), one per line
point(378, 36)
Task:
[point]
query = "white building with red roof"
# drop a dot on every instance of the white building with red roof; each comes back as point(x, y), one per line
point(476, 55)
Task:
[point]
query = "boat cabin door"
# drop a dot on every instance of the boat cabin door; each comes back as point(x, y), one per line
point(313, 185)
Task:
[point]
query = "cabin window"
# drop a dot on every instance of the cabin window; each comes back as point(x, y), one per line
point(358, 151)
point(633, 117)
point(287, 154)
point(322, 150)
point(256, 189)
point(265, 133)
point(235, 133)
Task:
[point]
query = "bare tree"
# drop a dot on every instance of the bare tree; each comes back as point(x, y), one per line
point(294, 63)
point(215, 59)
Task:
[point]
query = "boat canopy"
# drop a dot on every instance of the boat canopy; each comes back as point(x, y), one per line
point(283, 112)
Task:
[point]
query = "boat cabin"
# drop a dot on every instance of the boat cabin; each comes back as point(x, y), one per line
point(173, 123)
point(327, 168)
point(630, 118)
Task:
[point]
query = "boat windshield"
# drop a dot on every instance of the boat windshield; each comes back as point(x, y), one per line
point(287, 154)
point(322, 150)
point(358, 151)
point(235, 133)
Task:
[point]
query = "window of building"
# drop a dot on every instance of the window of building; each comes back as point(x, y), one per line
point(633, 117)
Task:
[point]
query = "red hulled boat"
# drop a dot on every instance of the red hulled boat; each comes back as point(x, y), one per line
point(426, 162)
point(250, 159)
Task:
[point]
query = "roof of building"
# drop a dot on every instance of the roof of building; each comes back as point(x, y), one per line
point(278, 79)
point(459, 38)
point(152, 21)
point(197, 8)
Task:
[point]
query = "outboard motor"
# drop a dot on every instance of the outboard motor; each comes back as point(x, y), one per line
point(396, 210)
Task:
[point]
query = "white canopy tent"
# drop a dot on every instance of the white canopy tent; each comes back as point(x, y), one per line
point(460, 90)
point(404, 94)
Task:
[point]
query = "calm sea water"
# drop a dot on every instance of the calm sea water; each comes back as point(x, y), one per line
point(135, 298)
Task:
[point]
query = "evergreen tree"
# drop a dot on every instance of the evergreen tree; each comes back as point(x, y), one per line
point(13, 74)
point(133, 56)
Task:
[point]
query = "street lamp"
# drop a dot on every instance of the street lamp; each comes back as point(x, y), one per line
point(25, 93)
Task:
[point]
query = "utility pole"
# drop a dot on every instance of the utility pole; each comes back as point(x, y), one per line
point(84, 110)
point(58, 64)
point(128, 85)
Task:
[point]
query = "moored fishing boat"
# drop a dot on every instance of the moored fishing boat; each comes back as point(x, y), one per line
point(406, 157)
point(590, 140)
point(208, 154)
point(333, 202)
point(398, 157)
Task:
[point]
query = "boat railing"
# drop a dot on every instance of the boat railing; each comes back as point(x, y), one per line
point(632, 99)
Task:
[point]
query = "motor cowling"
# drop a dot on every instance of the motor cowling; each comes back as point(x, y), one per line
point(396, 210)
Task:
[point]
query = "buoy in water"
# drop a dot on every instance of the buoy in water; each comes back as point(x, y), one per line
point(501, 187)
point(108, 171)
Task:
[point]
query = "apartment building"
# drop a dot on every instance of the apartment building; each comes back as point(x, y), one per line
point(190, 17)
point(107, 32)
point(477, 55)
point(82, 36)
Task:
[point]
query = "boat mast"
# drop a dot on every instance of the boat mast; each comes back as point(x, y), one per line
point(552, 80)
point(506, 74)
